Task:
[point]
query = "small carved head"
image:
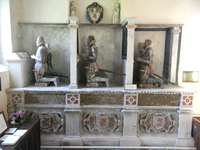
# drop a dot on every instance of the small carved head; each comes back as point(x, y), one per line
point(40, 41)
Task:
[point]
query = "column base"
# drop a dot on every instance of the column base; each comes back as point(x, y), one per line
point(73, 86)
point(130, 87)
point(187, 142)
point(130, 141)
point(72, 141)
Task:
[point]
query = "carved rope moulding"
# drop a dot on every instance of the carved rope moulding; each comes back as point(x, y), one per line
point(157, 122)
point(101, 122)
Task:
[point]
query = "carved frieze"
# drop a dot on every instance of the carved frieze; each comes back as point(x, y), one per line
point(159, 100)
point(101, 99)
point(49, 121)
point(102, 122)
point(157, 122)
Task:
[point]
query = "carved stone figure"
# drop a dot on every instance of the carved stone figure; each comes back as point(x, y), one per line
point(93, 74)
point(94, 13)
point(146, 60)
point(73, 18)
point(41, 72)
point(116, 14)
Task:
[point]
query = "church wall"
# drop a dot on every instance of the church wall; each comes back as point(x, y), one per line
point(150, 12)
point(4, 83)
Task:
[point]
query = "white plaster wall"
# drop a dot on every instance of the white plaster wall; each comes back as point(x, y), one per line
point(5, 32)
point(45, 11)
point(5, 83)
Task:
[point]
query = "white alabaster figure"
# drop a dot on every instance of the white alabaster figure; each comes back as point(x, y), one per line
point(73, 18)
point(116, 14)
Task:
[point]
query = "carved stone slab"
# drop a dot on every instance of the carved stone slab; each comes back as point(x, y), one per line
point(159, 100)
point(102, 122)
point(101, 99)
point(49, 121)
point(157, 122)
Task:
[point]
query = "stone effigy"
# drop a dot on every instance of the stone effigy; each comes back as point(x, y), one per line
point(43, 75)
point(94, 13)
point(116, 14)
point(146, 71)
point(73, 18)
point(93, 73)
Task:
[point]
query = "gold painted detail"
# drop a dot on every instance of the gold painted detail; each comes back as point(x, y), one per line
point(158, 100)
point(101, 99)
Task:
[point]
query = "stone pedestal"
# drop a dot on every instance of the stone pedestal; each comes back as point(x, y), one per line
point(72, 121)
point(21, 72)
point(130, 112)
point(185, 118)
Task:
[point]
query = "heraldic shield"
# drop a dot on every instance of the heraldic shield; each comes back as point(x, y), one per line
point(94, 13)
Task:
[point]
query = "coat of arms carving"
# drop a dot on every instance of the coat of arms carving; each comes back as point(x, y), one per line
point(94, 13)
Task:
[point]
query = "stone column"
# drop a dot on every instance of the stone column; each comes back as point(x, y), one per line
point(130, 111)
point(174, 57)
point(185, 121)
point(72, 120)
point(130, 24)
point(73, 55)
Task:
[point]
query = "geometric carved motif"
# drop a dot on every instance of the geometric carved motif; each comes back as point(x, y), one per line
point(49, 121)
point(187, 100)
point(131, 99)
point(157, 122)
point(72, 99)
point(101, 122)
point(16, 98)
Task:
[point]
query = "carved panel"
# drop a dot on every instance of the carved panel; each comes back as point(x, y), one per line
point(44, 98)
point(157, 122)
point(102, 122)
point(131, 99)
point(49, 121)
point(158, 100)
point(72, 99)
point(102, 99)
point(187, 100)
point(16, 98)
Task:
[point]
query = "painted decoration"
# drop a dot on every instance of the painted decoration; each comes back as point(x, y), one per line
point(94, 13)
point(157, 122)
point(53, 121)
point(101, 122)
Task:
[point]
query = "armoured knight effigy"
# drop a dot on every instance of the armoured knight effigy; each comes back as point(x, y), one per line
point(146, 72)
point(93, 74)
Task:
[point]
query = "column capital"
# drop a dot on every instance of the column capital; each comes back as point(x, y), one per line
point(131, 26)
point(73, 26)
point(176, 30)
